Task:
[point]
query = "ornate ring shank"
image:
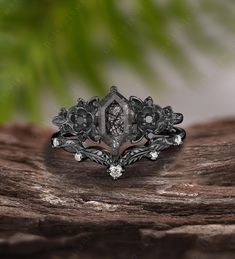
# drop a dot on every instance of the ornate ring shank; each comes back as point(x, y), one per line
point(115, 120)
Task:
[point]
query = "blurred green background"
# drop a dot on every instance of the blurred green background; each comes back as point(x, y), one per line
point(59, 48)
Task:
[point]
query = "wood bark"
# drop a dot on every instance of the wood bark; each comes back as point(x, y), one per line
point(180, 206)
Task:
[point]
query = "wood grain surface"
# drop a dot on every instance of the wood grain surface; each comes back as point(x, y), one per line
point(180, 206)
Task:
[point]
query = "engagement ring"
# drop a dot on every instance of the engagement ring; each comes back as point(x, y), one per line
point(142, 128)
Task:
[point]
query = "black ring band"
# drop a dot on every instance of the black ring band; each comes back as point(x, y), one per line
point(115, 121)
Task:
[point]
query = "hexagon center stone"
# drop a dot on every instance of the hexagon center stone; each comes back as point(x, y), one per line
point(114, 118)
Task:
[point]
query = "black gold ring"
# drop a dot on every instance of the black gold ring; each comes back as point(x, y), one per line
point(144, 128)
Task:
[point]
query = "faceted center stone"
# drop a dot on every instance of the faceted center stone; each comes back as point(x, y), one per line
point(114, 119)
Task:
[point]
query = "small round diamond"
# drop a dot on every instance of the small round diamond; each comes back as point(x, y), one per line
point(78, 157)
point(154, 155)
point(115, 171)
point(55, 142)
point(178, 140)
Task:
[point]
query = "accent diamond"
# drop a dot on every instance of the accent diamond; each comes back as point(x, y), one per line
point(148, 119)
point(178, 140)
point(78, 157)
point(115, 171)
point(154, 155)
point(56, 142)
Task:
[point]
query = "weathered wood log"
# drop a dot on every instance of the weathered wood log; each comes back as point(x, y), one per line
point(181, 206)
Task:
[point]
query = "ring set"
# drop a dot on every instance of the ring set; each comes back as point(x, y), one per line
point(111, 123)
